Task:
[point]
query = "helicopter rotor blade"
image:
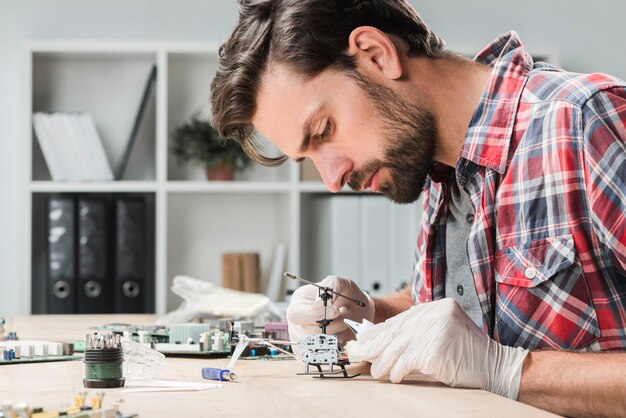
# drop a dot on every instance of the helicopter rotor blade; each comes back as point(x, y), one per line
point(330, 289)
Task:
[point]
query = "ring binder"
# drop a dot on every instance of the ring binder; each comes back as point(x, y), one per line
point(60, 257)
point(95, 288)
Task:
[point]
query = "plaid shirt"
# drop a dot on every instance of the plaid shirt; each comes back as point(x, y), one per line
point(544, 164)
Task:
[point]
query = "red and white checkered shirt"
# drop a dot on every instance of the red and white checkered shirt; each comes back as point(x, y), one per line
point(544, 164)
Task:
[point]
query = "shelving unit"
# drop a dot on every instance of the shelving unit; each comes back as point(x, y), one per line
point(195, 220)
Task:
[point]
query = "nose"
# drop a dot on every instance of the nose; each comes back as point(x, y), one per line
point(333, 170)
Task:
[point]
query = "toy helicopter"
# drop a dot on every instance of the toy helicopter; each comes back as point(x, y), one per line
point(322, 351)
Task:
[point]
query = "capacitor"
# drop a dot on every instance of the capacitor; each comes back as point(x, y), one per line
point(144, 336)
point(8, 354)
point(21, 410)
point(212, 373)
point(217, 341)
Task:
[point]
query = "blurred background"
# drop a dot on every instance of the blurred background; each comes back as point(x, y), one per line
point(140, 208)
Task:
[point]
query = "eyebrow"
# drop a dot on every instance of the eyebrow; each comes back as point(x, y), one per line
point(306, 131)
point(306, 137)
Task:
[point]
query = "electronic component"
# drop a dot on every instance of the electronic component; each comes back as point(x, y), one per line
point(215, 338)
point(212, 373)
point(259, 345)
point(11, 335)
point(323, 349)
point(15, 351)
point(317, 350)
point(276, 331)
point(182, 333)
point(242, 342)
point(79, 410)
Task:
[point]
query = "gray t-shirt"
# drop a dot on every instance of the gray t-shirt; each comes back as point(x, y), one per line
point(459, 282)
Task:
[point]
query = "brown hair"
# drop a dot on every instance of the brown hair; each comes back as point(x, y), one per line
point(308, 36)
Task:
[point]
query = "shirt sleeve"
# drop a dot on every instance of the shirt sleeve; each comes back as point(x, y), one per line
point(604, 130)
point(419, 293)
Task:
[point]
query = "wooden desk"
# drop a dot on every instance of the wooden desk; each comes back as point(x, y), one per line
point(264, 388)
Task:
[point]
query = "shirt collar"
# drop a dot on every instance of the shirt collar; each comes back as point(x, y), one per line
point(491, 127)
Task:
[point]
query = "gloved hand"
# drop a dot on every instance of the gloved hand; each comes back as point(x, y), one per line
point(440, 340)
point(306, 307)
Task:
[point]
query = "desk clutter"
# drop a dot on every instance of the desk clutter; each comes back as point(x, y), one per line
point(85, 405)
point(16, 351)
point(32, 351)
point(144, 347)
point(212, 339)
point(116, 353)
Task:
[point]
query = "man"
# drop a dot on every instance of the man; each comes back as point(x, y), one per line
point(522, 245)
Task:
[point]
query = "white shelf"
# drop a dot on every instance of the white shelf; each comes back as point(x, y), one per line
point(60, 47)
point(319, 187)
point(226, 187)
point(195, 220)
point(84, 187)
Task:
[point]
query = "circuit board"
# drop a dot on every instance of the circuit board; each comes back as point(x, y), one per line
point(16, 351)
point(41, 359)
point(206, 340)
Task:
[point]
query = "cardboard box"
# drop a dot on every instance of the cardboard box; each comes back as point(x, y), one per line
point(240, 271)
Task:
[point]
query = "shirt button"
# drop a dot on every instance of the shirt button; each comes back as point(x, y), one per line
point(530, 273)
point(470, 218)
point(459, 290)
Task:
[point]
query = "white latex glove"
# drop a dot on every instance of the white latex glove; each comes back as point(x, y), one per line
point(306, 307)
point(440, 340)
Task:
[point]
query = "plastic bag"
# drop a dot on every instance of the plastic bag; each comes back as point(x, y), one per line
point(203, 299)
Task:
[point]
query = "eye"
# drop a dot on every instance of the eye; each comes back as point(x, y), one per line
point(326, 131)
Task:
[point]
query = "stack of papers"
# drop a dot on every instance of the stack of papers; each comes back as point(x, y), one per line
point(72, 147)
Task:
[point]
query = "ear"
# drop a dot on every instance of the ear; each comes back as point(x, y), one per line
point(374, 51)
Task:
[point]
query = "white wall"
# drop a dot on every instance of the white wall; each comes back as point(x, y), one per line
point(588, 35)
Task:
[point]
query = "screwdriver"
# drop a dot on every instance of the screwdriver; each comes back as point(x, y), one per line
point(212, 373)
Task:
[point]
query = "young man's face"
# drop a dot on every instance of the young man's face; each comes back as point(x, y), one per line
point(358, 133)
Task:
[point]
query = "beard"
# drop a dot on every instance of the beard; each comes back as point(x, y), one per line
point(409, 134)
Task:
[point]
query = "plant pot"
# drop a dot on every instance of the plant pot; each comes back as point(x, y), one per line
point(219, 173)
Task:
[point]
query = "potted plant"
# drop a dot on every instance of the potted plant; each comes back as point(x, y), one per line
point(198, 141)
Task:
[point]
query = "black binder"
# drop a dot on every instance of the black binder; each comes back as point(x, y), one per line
point(95, 285)
point(131, 254)
point(61, 254)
